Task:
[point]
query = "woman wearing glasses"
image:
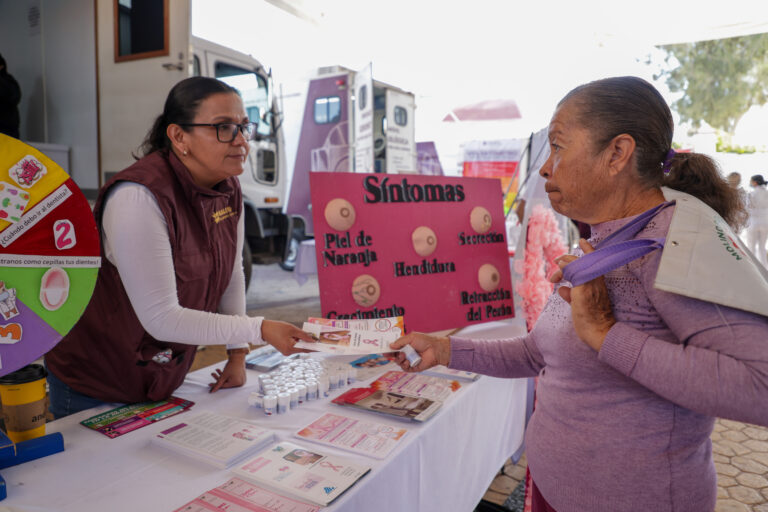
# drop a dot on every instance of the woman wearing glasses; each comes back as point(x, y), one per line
point(172, 234)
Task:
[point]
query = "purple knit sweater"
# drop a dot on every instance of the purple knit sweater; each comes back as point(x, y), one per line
point(627, 428)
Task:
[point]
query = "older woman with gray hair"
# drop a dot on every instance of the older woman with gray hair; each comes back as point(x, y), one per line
point(631, 377)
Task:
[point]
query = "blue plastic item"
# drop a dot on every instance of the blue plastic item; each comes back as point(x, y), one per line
point(32, 449)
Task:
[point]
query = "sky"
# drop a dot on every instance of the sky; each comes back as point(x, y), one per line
point(451, 53)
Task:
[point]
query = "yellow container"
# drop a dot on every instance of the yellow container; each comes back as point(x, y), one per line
point(22, 394)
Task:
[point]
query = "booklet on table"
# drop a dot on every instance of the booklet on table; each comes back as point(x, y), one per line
point(406, 407)
point(443, 371)
point(237, 495)
point(369, 438)
point(124, 419)
point(216, 439)
point(416, 384)
point(304, 474)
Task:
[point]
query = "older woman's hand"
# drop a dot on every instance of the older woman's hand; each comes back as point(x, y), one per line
point(283, 336)
point(590, 305)
point(433, 350)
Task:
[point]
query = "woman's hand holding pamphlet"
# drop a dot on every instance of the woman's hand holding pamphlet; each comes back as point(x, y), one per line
point(352, 336)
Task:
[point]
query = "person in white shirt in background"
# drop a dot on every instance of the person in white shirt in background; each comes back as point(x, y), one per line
point(757, 228)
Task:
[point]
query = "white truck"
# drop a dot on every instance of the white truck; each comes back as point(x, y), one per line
point(94, 75)
point(349, 122)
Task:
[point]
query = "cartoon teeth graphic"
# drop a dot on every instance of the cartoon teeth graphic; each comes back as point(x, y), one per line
point(54, 288)
point(27, 171)
point(8, 302)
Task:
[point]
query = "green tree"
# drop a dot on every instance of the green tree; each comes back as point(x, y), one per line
point(720, 79)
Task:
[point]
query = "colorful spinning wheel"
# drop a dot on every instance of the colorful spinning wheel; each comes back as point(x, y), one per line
point(49, 254)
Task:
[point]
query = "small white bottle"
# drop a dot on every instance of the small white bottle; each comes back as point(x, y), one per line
point(311, 390)
point(323, 386)
point(256, 400)
point(302, 393)
point(270, 405)
point(283, 403)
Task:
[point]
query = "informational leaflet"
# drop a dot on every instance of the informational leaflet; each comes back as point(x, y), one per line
point(376, 440)
point(240, 496)
point(406, 407)
point(392, 324)
point(444, 371)
point(301, 473)
point(127, 418)
point(215, 438)
point(414, 384)
point(373, 365)
point(345, 341)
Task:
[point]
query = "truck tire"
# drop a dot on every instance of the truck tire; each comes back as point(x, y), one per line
point(293, 253)
point(247, 264)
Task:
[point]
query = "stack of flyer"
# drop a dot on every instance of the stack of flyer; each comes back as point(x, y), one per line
point(303, 474)
point(407, 407)
point(216, 439)
point(352, 336)
point(128, 418)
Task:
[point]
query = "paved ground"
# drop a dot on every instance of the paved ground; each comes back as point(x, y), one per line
point(740, 450)
point(741, 459)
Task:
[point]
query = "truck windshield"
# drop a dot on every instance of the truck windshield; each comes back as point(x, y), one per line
point(254, 90)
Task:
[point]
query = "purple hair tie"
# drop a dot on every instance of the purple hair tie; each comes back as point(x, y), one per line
point(667, 165)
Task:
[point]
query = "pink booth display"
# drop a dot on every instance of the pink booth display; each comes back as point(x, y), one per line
point(429, 248)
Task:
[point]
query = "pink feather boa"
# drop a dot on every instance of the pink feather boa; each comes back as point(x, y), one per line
point(543, 244)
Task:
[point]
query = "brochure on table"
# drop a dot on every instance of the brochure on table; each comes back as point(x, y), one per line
point(302, 473)
point(237, 495)
point(214, 438)
point(127, 418)
point(365, 437)
point(444, 371)
point(428, 248)
point(415, 384)
point(398, 405)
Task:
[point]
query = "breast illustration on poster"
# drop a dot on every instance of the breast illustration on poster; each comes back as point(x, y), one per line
point(429, 248)
point(49, 254)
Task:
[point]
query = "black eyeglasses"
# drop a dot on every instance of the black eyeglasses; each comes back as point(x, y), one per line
point(226, 132)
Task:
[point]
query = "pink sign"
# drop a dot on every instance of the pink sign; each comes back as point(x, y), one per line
point(428, 248)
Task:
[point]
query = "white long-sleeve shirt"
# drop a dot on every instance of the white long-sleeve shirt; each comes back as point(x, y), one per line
point(757, 204)
point(136, 241)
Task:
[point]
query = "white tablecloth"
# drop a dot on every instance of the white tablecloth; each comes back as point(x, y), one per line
point(445, 464)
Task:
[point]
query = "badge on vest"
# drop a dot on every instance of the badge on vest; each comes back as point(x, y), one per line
point(222, 214)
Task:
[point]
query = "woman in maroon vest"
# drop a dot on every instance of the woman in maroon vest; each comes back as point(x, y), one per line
point(171, 277)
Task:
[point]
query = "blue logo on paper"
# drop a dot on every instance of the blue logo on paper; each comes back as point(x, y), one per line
point(328, 490)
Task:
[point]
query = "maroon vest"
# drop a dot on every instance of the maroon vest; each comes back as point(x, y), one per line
point(108, 354)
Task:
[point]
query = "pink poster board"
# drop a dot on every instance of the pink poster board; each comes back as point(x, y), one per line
point(429, 248)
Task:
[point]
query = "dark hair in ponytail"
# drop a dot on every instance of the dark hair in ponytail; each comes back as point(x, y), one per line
point(180, 107)
point(630, 105)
